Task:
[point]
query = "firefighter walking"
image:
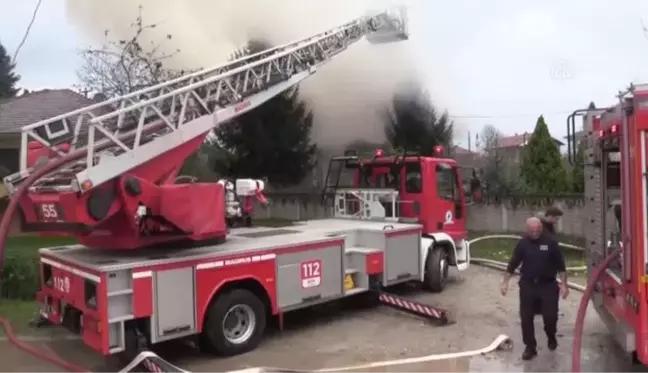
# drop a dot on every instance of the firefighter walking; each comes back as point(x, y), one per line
point(541, 261)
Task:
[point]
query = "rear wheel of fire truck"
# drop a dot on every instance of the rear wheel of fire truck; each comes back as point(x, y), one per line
point(436, 269)
point(235, 323)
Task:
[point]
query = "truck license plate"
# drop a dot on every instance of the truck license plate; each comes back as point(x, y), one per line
point(348, 282)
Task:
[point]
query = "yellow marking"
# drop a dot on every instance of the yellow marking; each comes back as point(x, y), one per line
point(348, 282)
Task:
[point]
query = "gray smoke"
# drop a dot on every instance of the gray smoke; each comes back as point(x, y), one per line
point(349, 95)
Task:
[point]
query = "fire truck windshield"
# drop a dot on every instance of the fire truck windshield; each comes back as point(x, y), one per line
point(446, 182)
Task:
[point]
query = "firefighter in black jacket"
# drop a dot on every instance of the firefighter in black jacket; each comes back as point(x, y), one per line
point(541, 261)
point(549, 218)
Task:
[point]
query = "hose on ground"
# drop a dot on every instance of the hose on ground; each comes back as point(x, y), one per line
point(516, 237)
point(66, 366)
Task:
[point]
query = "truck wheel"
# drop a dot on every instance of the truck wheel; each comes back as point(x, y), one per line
point(436, 269)
point(235, 324)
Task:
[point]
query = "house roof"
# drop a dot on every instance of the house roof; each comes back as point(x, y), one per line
point(577, 134)
point(32, 107)
point(517, 141)
point(460, 150)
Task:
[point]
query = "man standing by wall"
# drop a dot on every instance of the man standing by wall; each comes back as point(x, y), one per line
point(541, 261)
point(549, 219)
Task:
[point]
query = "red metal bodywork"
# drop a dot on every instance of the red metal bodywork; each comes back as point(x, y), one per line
point(174, 211)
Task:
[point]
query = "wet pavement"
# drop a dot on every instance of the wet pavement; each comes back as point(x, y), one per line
point(342, 335)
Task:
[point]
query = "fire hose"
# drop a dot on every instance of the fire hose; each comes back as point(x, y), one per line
point(498, 343)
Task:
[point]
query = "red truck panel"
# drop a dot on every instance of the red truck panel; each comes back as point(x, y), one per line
point(142, 293)
point(374, 264)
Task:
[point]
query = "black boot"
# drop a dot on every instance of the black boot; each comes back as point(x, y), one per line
point(552, 343)
point(529, 353)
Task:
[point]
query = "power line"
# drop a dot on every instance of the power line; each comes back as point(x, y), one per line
point(27, 31)
point(508, 116)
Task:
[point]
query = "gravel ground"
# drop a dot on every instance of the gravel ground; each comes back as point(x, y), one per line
point(345, 335)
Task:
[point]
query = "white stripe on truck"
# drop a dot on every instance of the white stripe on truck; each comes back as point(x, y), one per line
point(75, 271)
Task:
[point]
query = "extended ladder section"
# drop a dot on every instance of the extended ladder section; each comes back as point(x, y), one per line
point(123, 133)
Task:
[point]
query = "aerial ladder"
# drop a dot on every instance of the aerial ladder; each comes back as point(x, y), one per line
point(106, 173)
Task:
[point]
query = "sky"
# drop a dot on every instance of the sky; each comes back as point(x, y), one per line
point(499, 62)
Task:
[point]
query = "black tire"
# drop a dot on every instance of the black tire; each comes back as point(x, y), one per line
point(436, 273)
point(213, 339)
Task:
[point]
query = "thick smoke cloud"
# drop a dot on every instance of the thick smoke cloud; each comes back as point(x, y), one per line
point(349, 95)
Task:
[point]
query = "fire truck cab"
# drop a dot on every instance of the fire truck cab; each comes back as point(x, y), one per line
point(613, 148)
point(412, 189)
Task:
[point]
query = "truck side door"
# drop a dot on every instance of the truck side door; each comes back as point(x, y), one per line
point(450, 210)
point(411, 190)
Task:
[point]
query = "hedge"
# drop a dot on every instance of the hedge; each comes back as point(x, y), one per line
point(20, 278)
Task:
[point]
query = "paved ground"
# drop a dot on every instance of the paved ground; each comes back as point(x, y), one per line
point(342, 336)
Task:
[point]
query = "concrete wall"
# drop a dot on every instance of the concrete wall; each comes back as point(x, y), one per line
point(501, 215)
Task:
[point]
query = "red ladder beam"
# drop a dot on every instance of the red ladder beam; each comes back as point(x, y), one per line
point(415, 308)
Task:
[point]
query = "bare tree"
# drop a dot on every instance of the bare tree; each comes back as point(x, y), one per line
point(123, 66)
point(494, 172)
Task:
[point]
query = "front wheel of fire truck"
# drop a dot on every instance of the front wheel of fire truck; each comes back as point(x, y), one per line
point(436, 269)
point(234, 324)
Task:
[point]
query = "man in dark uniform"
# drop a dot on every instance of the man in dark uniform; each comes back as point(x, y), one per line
point(549, 219)
point(541, 261)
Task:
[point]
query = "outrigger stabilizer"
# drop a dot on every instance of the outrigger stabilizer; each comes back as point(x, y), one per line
point(436, 315)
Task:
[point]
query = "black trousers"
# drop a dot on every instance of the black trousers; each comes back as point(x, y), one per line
point(538, 298)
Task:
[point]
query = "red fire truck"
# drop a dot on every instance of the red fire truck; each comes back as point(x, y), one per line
point(156, 260)
point(613, 148)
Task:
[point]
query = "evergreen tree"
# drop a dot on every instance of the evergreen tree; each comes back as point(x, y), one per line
point(577, 175)
point(8, 78)
point(542, 169)
point(271, 141)
point(414, 124)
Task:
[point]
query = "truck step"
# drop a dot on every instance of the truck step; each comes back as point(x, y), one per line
point(356, 291)
point(120, 292)
point(350, 271)
point(415, 308)
point(361, 250)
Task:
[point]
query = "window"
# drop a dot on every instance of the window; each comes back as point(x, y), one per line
point(413, 178)
point(446, 182)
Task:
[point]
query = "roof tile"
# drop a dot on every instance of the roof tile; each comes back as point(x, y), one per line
point(20, 111)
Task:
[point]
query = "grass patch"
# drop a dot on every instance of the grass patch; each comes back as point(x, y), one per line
point(20, 277)
point(19, 313)
point(502, 249)
point(29, 244)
